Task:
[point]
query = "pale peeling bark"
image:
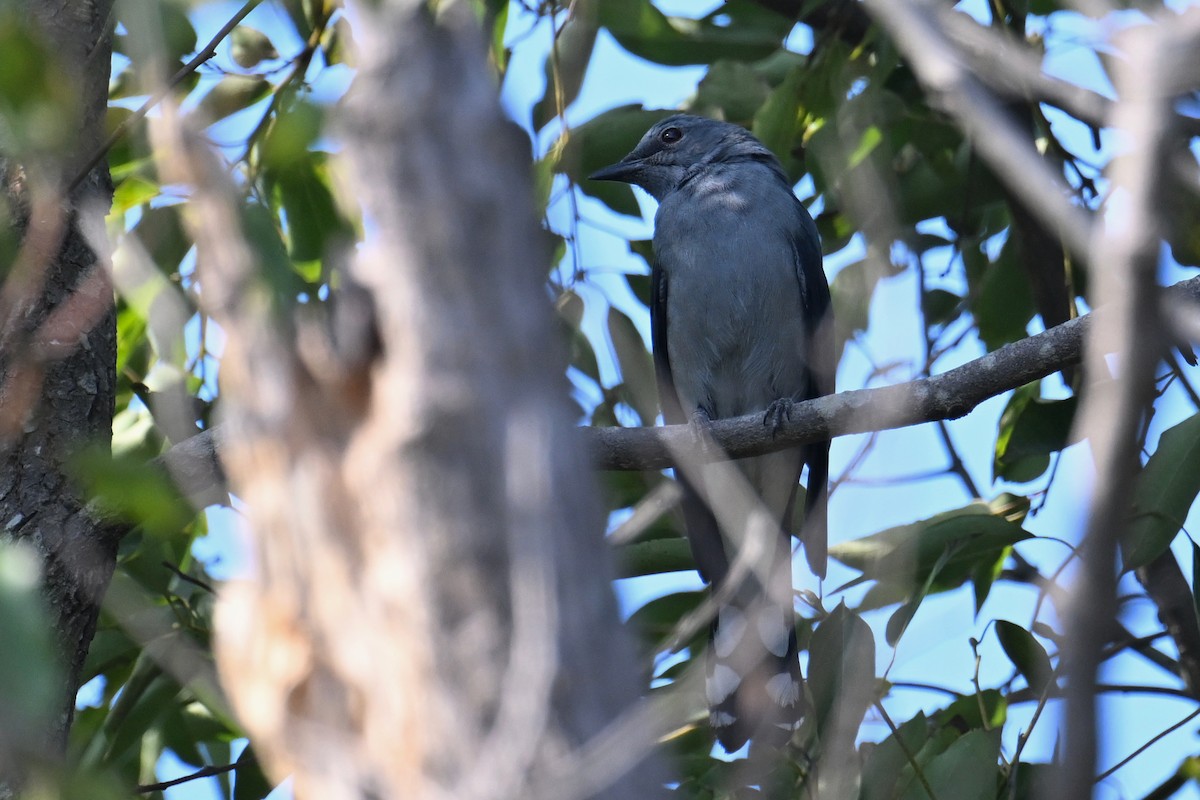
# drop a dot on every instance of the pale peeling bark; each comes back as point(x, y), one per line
point(432, 614)
point(57, 368)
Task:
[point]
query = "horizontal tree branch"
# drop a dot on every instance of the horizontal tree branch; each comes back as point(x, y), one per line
point(949, 395)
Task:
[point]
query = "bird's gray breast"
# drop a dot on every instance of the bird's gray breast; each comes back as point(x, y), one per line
point(735, 332)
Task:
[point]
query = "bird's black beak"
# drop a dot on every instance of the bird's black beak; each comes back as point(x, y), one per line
point(623, 171)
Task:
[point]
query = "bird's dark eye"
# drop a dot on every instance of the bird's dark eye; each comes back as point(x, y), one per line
point(670, 135)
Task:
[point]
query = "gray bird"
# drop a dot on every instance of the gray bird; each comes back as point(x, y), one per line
point(740, 318)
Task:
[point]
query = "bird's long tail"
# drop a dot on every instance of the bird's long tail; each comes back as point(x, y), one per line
point(753, 683)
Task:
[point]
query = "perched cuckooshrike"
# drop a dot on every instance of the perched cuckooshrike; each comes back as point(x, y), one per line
point(740, 315)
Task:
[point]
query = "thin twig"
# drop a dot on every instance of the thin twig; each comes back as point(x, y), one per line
point(187, 69)
point(204, 772)
point(1147, 745)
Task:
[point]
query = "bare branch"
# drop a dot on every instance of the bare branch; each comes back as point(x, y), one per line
point(950, 395)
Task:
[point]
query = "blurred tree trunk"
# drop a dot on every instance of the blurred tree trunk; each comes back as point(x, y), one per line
point(433, 612)
point(58, 357)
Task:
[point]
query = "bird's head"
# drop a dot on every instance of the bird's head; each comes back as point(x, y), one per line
point(680, 147)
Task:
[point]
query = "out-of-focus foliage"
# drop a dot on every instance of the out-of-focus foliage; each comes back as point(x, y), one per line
point(897, 193)
point(149, 686)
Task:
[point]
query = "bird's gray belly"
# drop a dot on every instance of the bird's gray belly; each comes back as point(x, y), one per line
point(737, 347)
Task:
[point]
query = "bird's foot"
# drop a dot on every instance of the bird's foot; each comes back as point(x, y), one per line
point(779, 412)
point(700, 426)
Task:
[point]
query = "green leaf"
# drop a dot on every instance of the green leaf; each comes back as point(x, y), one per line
point(1004, 305)
point(885, 763)
point(497, 50)
point(39, 103)
point(638, 386)
point(300, 12)
point(654, 557)
point(730, 90)
point(133, 192)
point(570, 308)
point(932, 555)
point(146, 698)
point(967, 770)
point(30, 679)
point(337, 43)
point(658, 619)
point(640, 286)
point(133, 490)
point(841, 672)
point(1027, 655)
point(249, 46)
point(157, 31)
point(275, 271)
point(623, 488)
point(188, 725)
point(1181, 206)
point(232, 94)
point(778, 120)
point(1164, 493)
point(750, 34)
point(314, 225)
point(110, 648)
point(940, 307)
point(292, 133)
point(984, 711)
point(162, 234)
point(1030, 430)
point(1196, 578)
point(867, 142)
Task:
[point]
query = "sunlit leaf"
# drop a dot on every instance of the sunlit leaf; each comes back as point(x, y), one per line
point(984, 711)
point(133, 192)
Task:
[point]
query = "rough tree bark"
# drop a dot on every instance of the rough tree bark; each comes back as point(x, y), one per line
point(57, 361)
point(432, 614)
